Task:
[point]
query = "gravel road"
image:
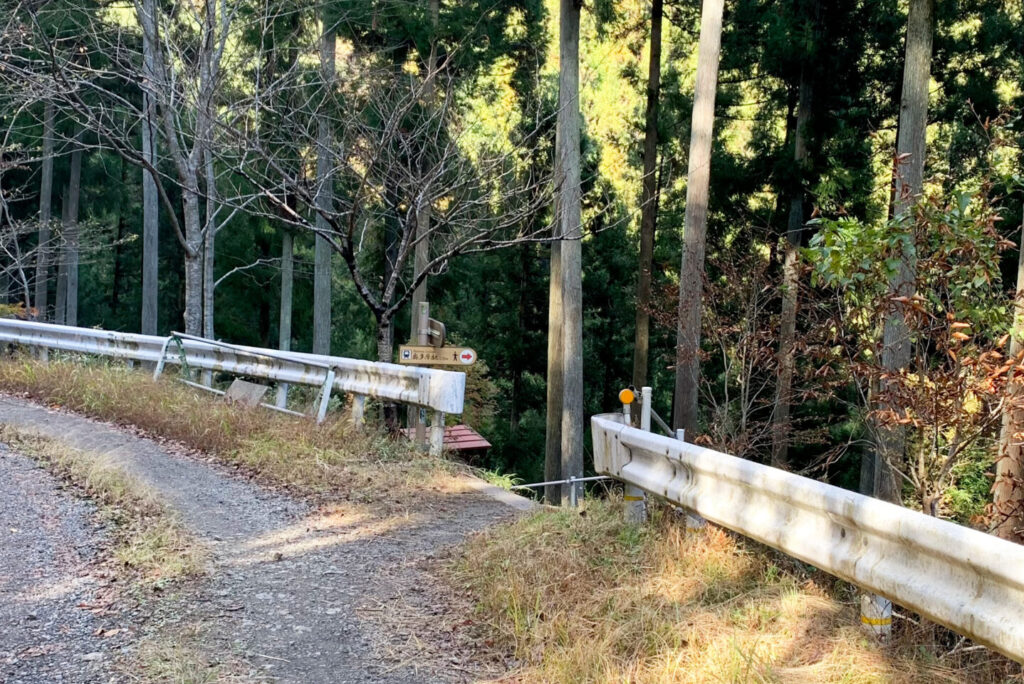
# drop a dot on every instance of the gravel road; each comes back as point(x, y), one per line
point(53, 597)
point(299, 595)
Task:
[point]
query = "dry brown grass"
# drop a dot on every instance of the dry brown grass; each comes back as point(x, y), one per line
point(588, 598)
point(326, 461)
point(151, 545)
point(181, 656)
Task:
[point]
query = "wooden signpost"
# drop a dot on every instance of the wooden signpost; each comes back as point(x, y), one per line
point(426, 355)
point(430, 350)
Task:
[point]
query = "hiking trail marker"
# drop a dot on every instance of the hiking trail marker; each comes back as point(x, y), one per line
point(418, 355)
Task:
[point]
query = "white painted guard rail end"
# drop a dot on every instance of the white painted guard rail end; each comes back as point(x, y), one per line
point(964, 579)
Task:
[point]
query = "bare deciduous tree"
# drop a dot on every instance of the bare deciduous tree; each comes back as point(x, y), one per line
point(176, 57)
point(389, 156)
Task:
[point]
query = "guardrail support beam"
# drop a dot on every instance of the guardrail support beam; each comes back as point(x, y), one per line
point(325, 396)
point(635, 499)
point(358, 411)
point(437, 434)
point(876, 616)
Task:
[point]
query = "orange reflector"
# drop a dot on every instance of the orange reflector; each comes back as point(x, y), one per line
point(627, 396)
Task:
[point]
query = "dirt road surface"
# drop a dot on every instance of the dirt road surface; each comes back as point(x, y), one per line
point(292, 594)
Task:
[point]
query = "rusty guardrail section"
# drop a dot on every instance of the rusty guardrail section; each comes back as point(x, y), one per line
point(964, 579)
point(441, 391)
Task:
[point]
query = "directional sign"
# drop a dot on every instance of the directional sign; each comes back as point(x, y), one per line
point(423, 355)
point(436, 333)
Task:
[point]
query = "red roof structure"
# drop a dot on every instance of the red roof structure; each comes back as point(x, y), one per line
point(460, 438)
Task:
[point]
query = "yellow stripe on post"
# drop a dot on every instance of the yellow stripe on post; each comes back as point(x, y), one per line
point(876, 622)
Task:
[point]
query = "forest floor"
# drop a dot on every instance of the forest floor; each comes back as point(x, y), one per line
point(292, 592)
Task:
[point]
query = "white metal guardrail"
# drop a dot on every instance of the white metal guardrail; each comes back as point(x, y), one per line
point(964, 579)
point(441, 391)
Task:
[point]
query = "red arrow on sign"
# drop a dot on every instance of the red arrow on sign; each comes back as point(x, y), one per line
point(467, 356)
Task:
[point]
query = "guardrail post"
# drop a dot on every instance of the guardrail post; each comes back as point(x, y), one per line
point(693, 521)
point(163, 357)
point(437, 434)
point(358, 410)
point(876, 616)
point(634, 497)
point(282, 395)
point(325, 396)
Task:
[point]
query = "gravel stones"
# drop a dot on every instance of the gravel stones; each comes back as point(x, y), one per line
point(296, 594)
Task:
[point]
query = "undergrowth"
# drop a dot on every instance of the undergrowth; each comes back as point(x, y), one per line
point(584, 597)
point(151, 545)
point(330, 460)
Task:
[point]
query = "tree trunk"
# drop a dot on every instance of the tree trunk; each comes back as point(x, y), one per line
point(1008, 487)
point(45, 216)
point(118, 267)
point(553, 431)
point(385, 354)
point(791, 283)
point(71, 234)
point(564, 447)
point(424, 211)
point(193, 316)
point(187, 162)
point(385, 340)
point(62, 260)
point(649, 204)
point(284, 326)
point(324, 203)
point(909, 183)
point(209, 247)
point(691, 274)
point(66, 306)
point(209, 254)
point(150, 199)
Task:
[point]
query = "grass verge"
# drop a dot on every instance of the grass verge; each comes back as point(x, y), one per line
point(329, 460)
point(585, 597)
point(181, 656)
point(151, 545)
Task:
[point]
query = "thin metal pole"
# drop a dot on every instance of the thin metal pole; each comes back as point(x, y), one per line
point(661, 423)
point(595, 478)
point(645, 408)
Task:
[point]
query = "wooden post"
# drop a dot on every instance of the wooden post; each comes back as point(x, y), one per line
point(422, 337)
